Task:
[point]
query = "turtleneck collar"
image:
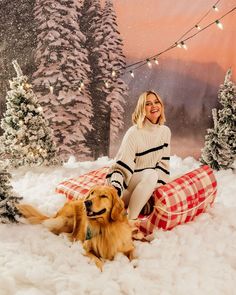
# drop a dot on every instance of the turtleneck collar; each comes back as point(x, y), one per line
point(149, 125)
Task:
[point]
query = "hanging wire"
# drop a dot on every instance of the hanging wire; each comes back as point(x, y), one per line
point(141, 63)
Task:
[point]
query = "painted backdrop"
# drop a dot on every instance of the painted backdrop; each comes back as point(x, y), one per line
point(188, 80)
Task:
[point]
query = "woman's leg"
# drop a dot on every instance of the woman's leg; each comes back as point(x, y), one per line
point(146, 182)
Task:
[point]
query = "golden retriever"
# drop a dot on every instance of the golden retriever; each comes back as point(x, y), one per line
point(108, 225)
point(71, 219)
point(99, 222)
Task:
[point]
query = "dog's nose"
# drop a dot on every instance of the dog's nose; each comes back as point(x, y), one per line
point(88, 204)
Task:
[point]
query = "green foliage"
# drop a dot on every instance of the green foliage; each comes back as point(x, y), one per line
point(219, 151)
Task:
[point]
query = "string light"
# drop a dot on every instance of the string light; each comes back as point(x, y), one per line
point(81, 84)
point(178, 43)
point(51, 89)
point(183, 45)
point(215, 8)
point(219, 24)
point(149, 63)
point(131, 74)
point(156, 61)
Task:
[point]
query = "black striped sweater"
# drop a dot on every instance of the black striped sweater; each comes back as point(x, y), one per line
point(142, 148)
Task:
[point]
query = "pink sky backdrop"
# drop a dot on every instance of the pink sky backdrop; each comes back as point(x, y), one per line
point(149, 26)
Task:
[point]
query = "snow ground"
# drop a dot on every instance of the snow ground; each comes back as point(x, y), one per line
point(194, 258)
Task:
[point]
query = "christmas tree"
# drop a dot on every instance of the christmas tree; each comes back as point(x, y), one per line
point(27, 138)
point(8, 199)
point(219, 151)
point(227, 115)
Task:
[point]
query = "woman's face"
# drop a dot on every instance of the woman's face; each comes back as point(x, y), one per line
point(153, 108)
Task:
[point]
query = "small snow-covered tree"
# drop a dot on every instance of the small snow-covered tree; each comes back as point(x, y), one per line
point(227, 114)
point(114, 64)
point(8, 198)
point(27, 138)
point(219, 149)
point(62, 72)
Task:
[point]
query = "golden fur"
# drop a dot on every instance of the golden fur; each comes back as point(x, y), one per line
point(71, 219)
point(102, 213)
point(107, 220)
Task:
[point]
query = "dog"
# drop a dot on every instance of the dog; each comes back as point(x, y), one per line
point(108, 225)
point(70, 219)
point(99, 222)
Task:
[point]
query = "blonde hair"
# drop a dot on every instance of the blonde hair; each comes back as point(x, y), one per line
point(139, 113)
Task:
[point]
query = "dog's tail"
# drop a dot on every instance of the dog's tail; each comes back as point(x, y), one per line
point(31, 214)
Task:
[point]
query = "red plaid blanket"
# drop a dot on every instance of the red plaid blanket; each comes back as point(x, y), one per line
point(174, 203)
point(181, 200)
point(76, 188)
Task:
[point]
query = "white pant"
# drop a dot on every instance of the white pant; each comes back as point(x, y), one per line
point(140, 188)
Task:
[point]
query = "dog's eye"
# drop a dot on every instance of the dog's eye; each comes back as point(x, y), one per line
point(104, 197)
point(87, 197)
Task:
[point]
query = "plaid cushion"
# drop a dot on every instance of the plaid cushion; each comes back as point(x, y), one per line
point(75, 188)
point(181, 200)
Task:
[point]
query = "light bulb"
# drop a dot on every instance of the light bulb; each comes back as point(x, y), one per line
point(198, 27)
point(113, 73)
point(106, 84)
point(184, 45)
point(219, 24)
point(215, 8)
point(156, 61)
point(178, 45)
point(82, 84)
point(51, 89)
point(132, 74)
point(149, 63)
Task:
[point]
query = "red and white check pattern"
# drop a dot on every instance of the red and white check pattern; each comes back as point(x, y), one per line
point(175, 203)
point(76, 188)
point(181, 200)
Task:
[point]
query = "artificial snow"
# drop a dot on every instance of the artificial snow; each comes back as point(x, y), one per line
point(195, 258)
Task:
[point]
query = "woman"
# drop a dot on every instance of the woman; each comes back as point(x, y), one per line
point(142, 162)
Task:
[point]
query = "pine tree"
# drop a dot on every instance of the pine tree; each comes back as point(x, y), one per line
point(91, 26)
point(115, 63)
point(227, 115)
point(62, 73)
point(8, 198)
point(27, 138)
point(219, 149)
point(106, 59)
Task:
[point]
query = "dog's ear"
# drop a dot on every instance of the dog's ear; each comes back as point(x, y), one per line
point(117, 212)
point(78, 232)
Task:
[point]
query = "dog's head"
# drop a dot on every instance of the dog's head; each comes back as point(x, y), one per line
point(104, 205)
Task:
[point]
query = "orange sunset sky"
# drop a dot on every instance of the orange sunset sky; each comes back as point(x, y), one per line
point(149, 26)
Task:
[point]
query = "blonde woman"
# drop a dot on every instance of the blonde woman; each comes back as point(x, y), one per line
point(142, 162)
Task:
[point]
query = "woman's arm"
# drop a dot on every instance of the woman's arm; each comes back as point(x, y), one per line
point(122, 170)
point(163, 166)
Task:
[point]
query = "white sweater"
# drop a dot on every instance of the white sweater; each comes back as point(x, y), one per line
point(142, 148)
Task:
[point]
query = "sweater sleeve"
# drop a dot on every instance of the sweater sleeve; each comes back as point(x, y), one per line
point(122, 170)
point(163, 166)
